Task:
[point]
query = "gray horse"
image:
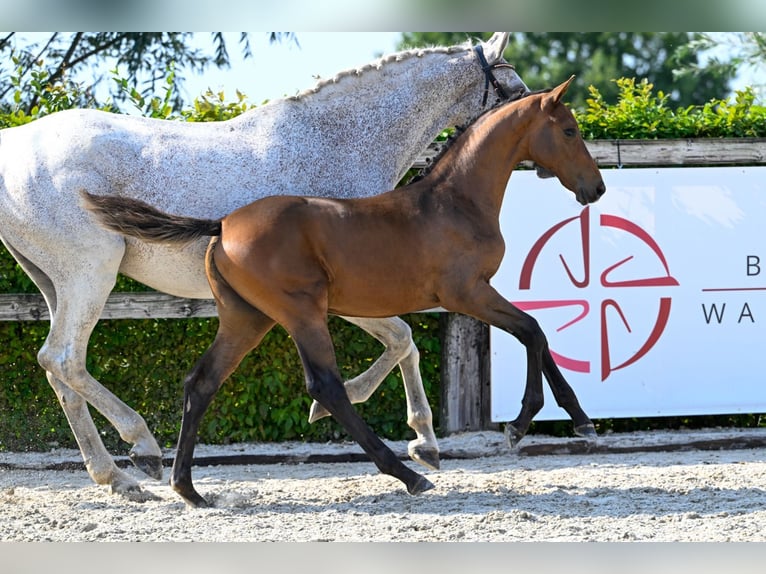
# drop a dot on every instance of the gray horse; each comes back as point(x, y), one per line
point(353, 135)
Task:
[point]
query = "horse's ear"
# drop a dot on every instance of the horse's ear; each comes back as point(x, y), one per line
point(560, 90)
point(495, 46)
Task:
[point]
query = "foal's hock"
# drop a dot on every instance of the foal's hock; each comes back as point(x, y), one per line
point(293, 260)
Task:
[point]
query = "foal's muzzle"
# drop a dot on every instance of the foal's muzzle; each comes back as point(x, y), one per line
point(588, 194)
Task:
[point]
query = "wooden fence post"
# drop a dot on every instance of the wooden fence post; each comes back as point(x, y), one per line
point(465, 374)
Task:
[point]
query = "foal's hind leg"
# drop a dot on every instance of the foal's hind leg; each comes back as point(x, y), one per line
point(241, 328)
point(324, 384)
point(396, 335)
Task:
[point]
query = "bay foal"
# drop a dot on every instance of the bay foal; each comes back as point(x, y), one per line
point(434, 243)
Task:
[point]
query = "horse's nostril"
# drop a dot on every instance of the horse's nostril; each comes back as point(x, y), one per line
point(601, 189)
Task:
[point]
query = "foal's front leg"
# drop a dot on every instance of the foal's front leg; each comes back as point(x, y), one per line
point(487, 305)
point(566, 398)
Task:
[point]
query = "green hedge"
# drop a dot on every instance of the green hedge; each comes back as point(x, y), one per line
point(144, 362)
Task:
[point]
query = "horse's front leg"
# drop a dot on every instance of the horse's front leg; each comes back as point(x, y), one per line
point(566, 398)
point(325, 385)
point(484, 303)
point(396, 335)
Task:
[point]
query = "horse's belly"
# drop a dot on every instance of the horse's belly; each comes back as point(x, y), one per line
point(379, 300)
point(177, 270)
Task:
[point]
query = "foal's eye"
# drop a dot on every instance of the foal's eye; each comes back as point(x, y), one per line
point(570, 132)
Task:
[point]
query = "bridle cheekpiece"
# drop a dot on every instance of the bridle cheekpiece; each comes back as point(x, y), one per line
point(489, 76)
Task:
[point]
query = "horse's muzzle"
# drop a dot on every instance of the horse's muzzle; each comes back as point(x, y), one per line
point(586, 195)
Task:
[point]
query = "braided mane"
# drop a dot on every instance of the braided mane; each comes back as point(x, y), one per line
point(378, 64)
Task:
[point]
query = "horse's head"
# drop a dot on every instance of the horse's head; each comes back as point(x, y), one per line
point(557, 148)
point(500, 77)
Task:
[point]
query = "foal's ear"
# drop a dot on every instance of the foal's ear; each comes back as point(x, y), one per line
point(560, 90)
point(495, 46)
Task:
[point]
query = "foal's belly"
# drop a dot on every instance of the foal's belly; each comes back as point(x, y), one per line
point(177, 270)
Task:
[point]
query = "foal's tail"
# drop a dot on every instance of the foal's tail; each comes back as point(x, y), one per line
point(134, 218)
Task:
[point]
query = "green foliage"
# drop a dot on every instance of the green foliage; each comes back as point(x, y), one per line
point(143, 56)
point(49, 95)
point(213, 107)
point(640, 113)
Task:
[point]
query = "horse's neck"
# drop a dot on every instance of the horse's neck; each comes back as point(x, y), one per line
point(480, 163)
point(394, 109)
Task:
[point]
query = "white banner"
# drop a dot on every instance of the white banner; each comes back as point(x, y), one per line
point(653, 299)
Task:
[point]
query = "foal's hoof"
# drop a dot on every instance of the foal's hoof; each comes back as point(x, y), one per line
point(196, 501)
point(587, 431)
point(420, 485)
point(513, 435)
point(428, 457)
point(150, 465)
point(191, 497)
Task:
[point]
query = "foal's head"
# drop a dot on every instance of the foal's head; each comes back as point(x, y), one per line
point(556, 146)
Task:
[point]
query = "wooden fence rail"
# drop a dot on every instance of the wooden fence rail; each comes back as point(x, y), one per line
point(465, 384)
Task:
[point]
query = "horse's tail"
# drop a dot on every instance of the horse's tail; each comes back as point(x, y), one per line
point(134, 218)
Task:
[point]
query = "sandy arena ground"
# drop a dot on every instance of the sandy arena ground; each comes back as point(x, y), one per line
point(484, 492)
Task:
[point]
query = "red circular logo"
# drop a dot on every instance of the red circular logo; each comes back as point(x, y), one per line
point(606, 279)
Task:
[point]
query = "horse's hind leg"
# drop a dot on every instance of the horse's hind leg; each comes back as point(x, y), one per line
point(396, 335)
point(98, 461)
point(241, 328)
point(324, 384)
point(64, 356)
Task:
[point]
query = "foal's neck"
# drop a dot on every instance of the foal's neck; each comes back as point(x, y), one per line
point(480, 163)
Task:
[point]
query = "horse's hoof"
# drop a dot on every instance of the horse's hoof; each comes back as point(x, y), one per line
point(428, 457)
point(149, 465)
point(587, 431)
point(191, 497)
point(196, 501)
point(513, 436)
point(134, 493)
point(420, 485)
point(317, 412)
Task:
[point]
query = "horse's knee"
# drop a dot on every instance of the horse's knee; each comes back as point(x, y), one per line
point(400, 343)
point(60, 363)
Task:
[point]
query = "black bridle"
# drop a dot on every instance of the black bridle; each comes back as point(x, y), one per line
point(490, 77)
